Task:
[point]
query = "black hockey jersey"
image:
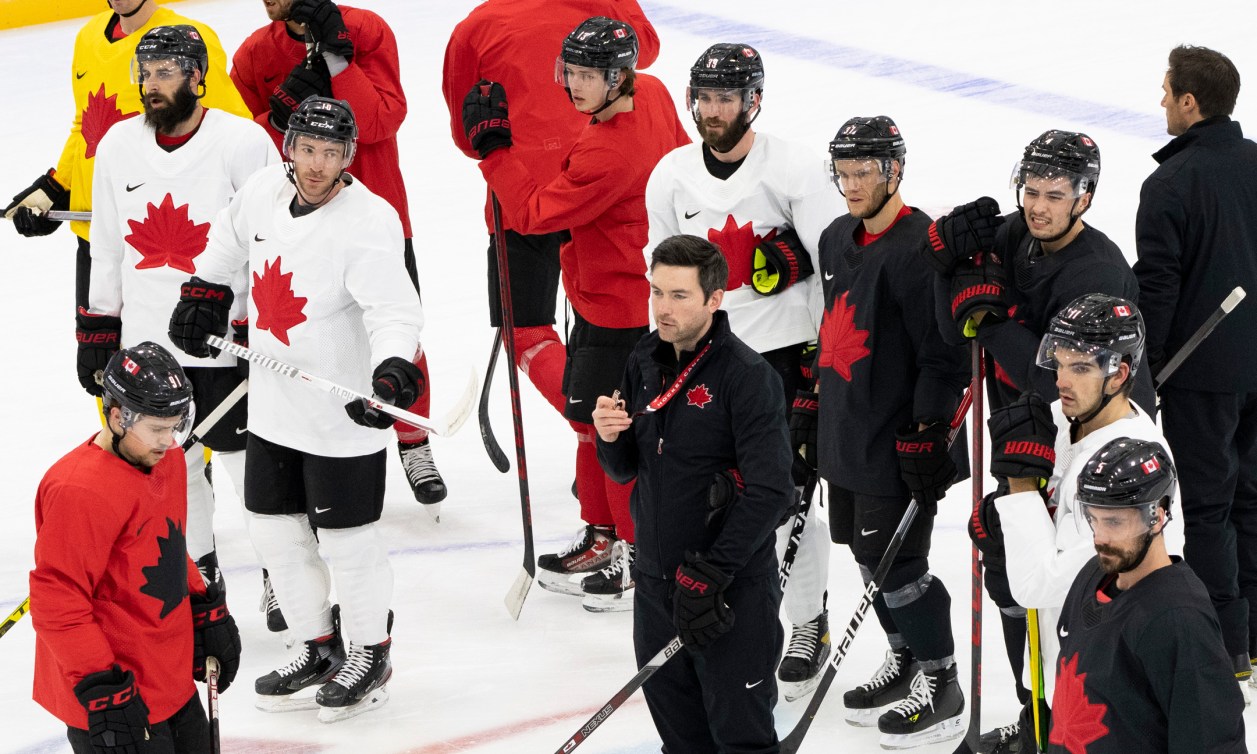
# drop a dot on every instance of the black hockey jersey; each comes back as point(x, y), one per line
point(1144, 671)
point(883, 363)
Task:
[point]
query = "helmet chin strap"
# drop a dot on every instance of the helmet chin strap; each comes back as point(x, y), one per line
point(132, 13)
point(1073, 220)
point(1104, 401)
point(886, 199)
point(292, 178)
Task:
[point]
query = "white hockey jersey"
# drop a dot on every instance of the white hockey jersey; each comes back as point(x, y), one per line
point(779, 185)
point(1046, 552)
point(151, 219)
point(328, 294)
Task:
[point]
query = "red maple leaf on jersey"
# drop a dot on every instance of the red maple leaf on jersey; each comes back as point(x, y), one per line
point(842, 343)
point(738, 243)
point(698, 396)
point(167, 236)
point(278, 309)
point(99, 116)
point(1076, 721)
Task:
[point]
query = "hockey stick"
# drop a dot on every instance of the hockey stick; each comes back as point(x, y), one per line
point(15, 616)
point(1230, 302)
point(1036, 680)
point(615, 702)
point(60, 214)
point(202, 429)
point(973, 734)
point(211, 691)
point(791, 743)
point(491, 446)
point(523, 582)
point(453, 420)
point(797, 528)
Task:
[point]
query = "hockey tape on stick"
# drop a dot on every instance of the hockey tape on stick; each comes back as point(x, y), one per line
point(621, 696)
point(15, 616)
point(225, 405)
point(211, 691)
point(60, 214)
point(1230, 302)
point(453, 420)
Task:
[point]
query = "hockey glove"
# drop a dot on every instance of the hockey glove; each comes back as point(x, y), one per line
point(28, 206)
point(985, 530)
point(780, 263)
point(240, 336)
point(98, 336)
point(326, 26)
point(396, 382)
point(925, 463)
point(807, 362)
point(698, 601)
point(202, 311)
point(725, 488)
point(117, 717)
point(963, 232)
point(485, 117)
point(978, 286)
point(1023, 439)
point(803, 425)
point(303, 82)
point(214, 634)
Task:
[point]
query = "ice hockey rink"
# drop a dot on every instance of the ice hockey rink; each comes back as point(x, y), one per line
point(969, 83)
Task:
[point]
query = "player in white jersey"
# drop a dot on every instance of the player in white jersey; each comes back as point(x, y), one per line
point(764, 202)
point(159, 180)
point(329, 294)
point(1095, 345)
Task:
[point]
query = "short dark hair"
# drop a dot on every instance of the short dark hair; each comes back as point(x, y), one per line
point(692, 251)
point(627, 82)
point(1208, 75)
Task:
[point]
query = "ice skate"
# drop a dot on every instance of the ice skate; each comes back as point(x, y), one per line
point(1002, 740)
point(933, 712)
point(611, 589)
point(590, 551)
point(890, 684)
point(809, 647)
point(361, 684)
point(421, 472)
point(275, 622)
point(292, 687)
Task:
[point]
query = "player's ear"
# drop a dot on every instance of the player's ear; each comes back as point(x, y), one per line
point(713, 301)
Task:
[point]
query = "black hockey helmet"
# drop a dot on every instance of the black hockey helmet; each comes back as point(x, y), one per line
point(602, 43)
point(323, 118)
point(1061, 153)
point(1107, 327)
point(146, 380)
point(865, 138)
point(181, 42)
point(1128, 473)
point(728, 65)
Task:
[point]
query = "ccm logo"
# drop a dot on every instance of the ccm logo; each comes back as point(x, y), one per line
point(1024, 447)
point(112, 700)
point(196, 291)
point(690, 583)
point(914, 447)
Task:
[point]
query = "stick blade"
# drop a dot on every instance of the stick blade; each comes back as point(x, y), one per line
point(519, 592)
point(457, 415)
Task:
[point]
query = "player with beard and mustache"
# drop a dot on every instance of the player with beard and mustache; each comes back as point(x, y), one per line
point(752, 193)
point(1142, 664)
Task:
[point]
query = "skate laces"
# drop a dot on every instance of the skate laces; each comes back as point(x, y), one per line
point(803, 641)
point(621, 558)
point(1009, 732)
point(269, 601)
point(418, 463)
point(357, 664)
point(298, 664)
point(886, 674)
point(919, 697)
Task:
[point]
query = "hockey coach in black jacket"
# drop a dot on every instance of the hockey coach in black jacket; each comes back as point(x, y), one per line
point(701, 428)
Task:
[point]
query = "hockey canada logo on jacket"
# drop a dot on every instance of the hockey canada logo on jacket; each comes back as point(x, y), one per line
point(698, 396)
point(842, 343)
point(1076, 720)
point(168, 237)
point(278, 308)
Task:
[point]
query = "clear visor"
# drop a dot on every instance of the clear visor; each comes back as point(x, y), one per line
point(159, 431)
point(307, 150)
point(721, 103)
point(568, 75)
point(854, 174)
point(1117, 524)
point(1037, 179)
point(1079, 359)
point(161, 68)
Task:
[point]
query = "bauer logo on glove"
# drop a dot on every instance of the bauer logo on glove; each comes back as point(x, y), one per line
point(780, 262)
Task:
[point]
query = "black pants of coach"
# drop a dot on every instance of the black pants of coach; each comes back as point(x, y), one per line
point(1214, 440)
point(716, 699)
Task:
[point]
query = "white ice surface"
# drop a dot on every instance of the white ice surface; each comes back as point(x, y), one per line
point(969, 83)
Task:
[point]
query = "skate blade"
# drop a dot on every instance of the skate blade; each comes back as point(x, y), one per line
point(374, 700)
point(434, 510)
point(608, 603)
point(561, 583)
point(797, 690)
point(301, 700)
point(865, 718)
point(948, 730)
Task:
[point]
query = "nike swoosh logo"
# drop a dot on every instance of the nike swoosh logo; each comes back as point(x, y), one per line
point(258, 238)
point(575, 400)
point(1063, 632)
point(829, 276)
point(131, 188)
point(322, 510)
point(866, 532)
point(242, 430)
point(269, 79)
point(141, 529)
point(80, 75)
point(691, 216)
point(753, 685)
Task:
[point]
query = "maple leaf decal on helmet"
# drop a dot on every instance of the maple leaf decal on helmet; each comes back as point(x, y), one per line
point(1076, 721)
point(279, 309)
point(99, 116)
point(842, 343)
point(167, 236)
point(167, 579)
point(738, 243)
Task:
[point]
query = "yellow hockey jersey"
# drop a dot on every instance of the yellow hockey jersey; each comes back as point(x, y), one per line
point(104, 95)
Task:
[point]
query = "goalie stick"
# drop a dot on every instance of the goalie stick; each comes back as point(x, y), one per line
point(453, 420)
point(211, 691)
point(791, 743)
point(491, 446)
point(15, 616)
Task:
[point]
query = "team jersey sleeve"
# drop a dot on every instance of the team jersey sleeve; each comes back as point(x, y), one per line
point(461, 70)
point(104, 293)
point(941, 368)
point(242, 75)
point(220, 90)
point(74, 147)
point(591, 183)
point(376, 278)
point(1041, 571)
point(372, 83)
point(227, 249)
point(1160, 227)
point(630, 12)
point(250, 154)
point(661, 206)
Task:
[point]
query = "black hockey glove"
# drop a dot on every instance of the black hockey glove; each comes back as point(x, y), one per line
point(303, 81)
point(326, 26)
point(977, 285)
point(803, 425)
point(698, 601)
point(29, 205)
point(807, 363)
point(779, 263)
point(725, 488)
point(925, 464)
point(485, 117)
point(203, 310)
point(963, 232)
point(214, 634)
point(396, 382)
point(985, 530)
point(117, 717)
point(98, 336)
point(1023, 439)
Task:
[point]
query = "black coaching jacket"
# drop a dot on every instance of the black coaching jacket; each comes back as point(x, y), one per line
point(729, 414)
